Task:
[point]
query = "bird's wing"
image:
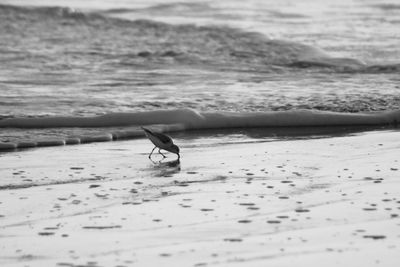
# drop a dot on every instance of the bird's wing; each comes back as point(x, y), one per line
point(163, 138)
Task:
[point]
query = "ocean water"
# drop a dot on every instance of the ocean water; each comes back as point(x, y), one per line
point(91, 58)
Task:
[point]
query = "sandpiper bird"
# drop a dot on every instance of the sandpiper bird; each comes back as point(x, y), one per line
point(161, 141)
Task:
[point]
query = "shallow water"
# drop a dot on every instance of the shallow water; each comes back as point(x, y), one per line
point(84, 59)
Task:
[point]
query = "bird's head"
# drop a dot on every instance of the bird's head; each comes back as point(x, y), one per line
point(175, 149)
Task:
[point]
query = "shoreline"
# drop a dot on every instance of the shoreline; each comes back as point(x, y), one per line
point(57, 131)
point(246, 201)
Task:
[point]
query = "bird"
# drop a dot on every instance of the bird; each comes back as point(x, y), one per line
point(161, 141)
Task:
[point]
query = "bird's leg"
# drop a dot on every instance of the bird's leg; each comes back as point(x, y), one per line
point(159, 151)
point(152, 152)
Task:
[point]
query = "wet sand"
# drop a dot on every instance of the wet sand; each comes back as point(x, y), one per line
point(229, 202)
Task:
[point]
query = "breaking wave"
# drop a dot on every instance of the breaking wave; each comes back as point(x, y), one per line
point(116, 42)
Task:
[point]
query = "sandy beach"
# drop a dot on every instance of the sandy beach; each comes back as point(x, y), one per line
point(231, 201)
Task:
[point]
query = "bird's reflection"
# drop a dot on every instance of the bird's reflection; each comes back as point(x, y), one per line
point(165, 168)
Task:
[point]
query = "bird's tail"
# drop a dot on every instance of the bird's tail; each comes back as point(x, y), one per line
point(145, 129)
